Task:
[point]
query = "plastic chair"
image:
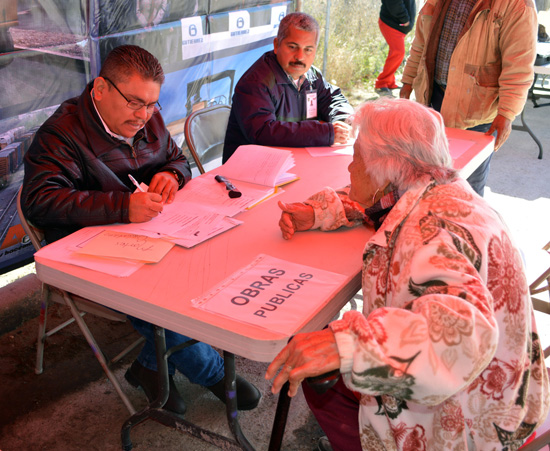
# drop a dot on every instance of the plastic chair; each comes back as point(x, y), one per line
point(78, 307)
point(537, 268)
point(537, 265)
point(204, 132)
point(541, 284)
point(541, 441)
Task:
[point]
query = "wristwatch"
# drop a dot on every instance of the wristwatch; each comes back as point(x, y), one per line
point(176, 175)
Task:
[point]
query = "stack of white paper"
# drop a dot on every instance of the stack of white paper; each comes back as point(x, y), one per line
point(260, 165)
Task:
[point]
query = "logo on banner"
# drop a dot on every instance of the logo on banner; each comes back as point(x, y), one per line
point(239, 23)
point(191, 30)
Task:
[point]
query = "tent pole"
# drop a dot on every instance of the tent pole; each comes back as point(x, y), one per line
point(327, 25)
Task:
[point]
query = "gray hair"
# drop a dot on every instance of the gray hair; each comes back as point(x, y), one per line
point(301, 21)
point(404, 142)
point(127, 60)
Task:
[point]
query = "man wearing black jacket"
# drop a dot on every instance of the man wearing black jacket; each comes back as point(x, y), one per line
point(76, 175)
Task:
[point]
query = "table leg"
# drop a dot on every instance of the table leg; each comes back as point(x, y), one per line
point(525, 128)
point(231, 401)
point(154, 410)
point(164, 390)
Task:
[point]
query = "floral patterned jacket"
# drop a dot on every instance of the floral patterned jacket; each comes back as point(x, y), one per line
point(445, 354)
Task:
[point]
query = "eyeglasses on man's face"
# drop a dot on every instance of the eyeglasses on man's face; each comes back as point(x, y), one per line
point(136, 104)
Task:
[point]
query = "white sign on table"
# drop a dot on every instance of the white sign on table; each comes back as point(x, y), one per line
point(272, 293)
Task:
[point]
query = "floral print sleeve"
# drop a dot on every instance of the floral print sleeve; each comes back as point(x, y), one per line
point(334, 209)
point(432, 345)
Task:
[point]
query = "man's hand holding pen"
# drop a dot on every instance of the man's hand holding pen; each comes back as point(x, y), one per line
point(145, 205)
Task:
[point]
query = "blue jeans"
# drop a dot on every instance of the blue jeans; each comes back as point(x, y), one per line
point(200, 363)
point(478, 178)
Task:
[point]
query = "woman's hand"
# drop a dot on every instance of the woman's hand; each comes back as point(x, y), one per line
point(307, 355)
point(296, 217)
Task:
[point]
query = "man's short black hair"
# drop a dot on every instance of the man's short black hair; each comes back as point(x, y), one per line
point(301, 21)
point(124, 61)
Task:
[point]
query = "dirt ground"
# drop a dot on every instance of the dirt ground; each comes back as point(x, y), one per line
point(68, 358)
point(72, 406)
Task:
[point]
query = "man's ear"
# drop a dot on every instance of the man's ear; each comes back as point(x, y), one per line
point(275, 45)
point(100, 85)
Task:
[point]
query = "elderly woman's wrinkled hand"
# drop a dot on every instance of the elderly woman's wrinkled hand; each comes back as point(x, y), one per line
point(296, 217)
point(307, 355)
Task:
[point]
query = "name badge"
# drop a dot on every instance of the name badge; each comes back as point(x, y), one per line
point(311, 104)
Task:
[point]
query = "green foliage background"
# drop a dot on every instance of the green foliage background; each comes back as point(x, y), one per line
point(356, 48)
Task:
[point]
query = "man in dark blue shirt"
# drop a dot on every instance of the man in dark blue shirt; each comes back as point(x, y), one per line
point(282, 100)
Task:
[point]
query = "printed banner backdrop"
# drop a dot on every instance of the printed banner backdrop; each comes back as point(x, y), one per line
point(50, 50)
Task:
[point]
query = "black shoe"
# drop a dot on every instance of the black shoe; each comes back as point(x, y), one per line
point(384, 92)
point(248, 396)
point(139, 376)
point(323, 444)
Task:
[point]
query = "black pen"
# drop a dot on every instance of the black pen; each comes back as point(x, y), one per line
point(232, 190)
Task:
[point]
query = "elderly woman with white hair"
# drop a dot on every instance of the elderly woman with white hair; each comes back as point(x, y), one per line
point(445, 354)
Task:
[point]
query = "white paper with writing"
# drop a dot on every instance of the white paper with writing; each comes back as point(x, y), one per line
point(78, 239)
point(125, 246)
point(273, 294)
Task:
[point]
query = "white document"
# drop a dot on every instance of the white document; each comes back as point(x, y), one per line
point(181, 223)
point(204, 229)
point(205, 191)
point(202, 208)
point(261, 165)
point(273, 294)
point(125, 246)
point(77, 240)
point(336, 149)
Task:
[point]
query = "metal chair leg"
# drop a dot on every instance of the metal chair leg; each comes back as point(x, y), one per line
point(39, 368)
point(97, 352)
point(525, 128)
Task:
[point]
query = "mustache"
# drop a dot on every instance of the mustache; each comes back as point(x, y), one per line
point(297, 63)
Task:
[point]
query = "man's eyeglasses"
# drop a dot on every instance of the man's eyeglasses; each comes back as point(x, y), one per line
point(137, 105)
